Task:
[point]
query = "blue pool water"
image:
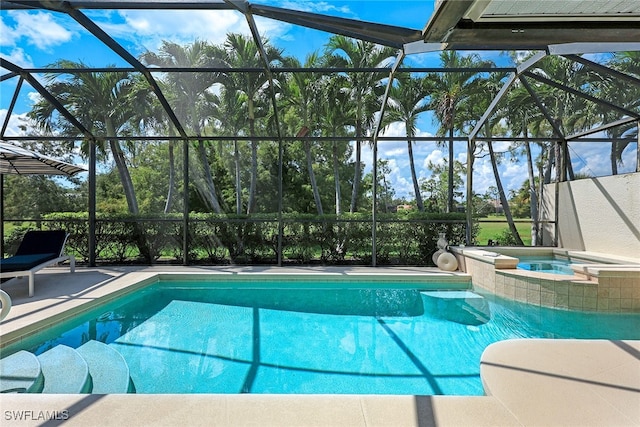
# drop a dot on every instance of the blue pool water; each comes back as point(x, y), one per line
point(545, 265)
point(186, 337)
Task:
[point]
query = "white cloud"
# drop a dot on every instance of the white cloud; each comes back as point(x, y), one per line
point(461, 157)
point(436, 157)
point(18, 57)
point(398, 180)
point(17, 123)
point(34, 97)
point(512, 174)
point(150, 28)
point(593, 158)
point(8, 35)
point(37, 28)
point(394, 129)
point(501, 146)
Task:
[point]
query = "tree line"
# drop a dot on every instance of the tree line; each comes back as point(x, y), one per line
point(240, 175)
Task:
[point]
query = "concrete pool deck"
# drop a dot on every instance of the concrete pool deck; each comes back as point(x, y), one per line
point(528, 382)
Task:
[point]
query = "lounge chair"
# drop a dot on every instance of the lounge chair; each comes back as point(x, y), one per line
point(38, 249)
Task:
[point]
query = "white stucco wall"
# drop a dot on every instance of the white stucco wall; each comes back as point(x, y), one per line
point(597, 214)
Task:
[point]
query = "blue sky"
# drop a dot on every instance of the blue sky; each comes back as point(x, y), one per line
point(37, 38)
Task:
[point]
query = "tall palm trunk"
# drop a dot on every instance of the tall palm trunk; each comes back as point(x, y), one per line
point(450, 173)
point(172, 178)
point(236, 160)
point(357, 174)
point(503, 197)
point(254, 161)
point(254, 177)
point(549, 163)
point(533, 196)
point(558, 161)
point(312, 176)
point(540, 198)
point(414, 177)
point(336, 178)
point(211, 195)
point(123, 170)
point(614, 158)
point(125, 176)
point(139, 236)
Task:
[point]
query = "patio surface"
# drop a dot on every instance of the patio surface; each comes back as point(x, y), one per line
point(528, 382)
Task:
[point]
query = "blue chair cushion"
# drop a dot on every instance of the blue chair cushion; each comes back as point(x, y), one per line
point(42, 242)
point(25, 262)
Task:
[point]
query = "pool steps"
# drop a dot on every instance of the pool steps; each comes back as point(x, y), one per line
point(64, 371)
point(94, 368)
point(21, 373)
point(107, 367)
point(464, 307)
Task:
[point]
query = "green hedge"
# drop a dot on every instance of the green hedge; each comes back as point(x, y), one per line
point(401, 239)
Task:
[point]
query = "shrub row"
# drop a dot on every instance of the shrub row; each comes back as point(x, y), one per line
point(401, 239)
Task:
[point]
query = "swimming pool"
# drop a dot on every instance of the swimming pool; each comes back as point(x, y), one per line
point(269, 337)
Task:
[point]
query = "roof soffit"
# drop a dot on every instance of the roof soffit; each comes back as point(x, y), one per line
point(515, 24)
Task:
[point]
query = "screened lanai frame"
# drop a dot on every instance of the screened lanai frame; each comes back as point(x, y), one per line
point(456, 24)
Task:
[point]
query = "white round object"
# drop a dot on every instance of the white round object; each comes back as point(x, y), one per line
point(447, 262)
point(436, 254)
point(5, 299)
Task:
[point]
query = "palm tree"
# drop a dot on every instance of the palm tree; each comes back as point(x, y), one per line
point(345, 52)
point(227, 109)
point(486, 90)
point(187, 93)
point(302, 94)
point(407, 100)
point(569, 112)
point(104, 102)
point(520, 111)
point(450, 92)
point(625, 95)
point(242, 52)
point(335, 116)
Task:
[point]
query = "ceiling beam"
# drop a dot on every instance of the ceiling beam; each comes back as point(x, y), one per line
point(8, 76)
point(122, 5)
point(385, 97)
point(387, 35)
point(594, 47)
point(581, 94)
point(603, 69)
point(518, 36)
point(543, 109)
point(444, 19)
point(327, 70)
point(503, 91)
point(602, 128)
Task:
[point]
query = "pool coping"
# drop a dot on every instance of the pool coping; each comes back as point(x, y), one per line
point(516, 368)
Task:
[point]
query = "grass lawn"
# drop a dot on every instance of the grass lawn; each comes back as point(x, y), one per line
point(494, 230)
